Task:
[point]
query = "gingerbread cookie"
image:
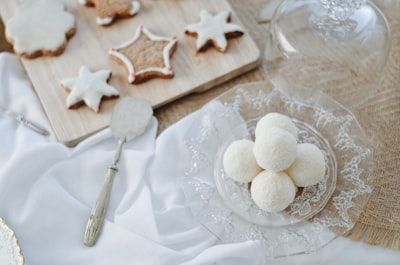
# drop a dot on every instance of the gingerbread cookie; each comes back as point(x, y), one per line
point(40, 28)
point(109, 10)
point(89, 88)
point(213, 31)
point(146, 56)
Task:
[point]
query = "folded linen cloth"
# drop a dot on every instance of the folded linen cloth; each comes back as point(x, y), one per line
point(47, 191)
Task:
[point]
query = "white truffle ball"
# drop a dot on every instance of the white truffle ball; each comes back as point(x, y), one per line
point(272, 191)
point(239, 161)
point(275, 150)
point(309, 166)
point(275, 119)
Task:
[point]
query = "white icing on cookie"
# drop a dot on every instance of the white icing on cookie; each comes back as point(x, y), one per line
point(107, 20)
point(166, 70)
point(89, 87)
point(135, 7)
point(103, 20)
point(213, 28)
point(39, 26)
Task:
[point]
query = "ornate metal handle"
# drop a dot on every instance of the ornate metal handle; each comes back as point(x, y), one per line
point(31, 125)
point(96, 219)
point(20, 118)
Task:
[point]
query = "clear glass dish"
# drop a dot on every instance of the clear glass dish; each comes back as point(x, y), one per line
point(10, 250)
point(308, 201)
point(225, 208)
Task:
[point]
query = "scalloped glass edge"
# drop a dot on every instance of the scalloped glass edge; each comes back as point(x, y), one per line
point(308, 201)
point(335, 122)
point(9, 245)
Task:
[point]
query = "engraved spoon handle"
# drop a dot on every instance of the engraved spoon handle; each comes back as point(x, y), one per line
point(20, 118)
point(96, 219)
point(31, 125)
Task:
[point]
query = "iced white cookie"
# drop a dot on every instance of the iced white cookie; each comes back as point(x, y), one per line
point(89, 88)
point(40, 28)
point(109, 10)
point(146, 55)
point(213, 31)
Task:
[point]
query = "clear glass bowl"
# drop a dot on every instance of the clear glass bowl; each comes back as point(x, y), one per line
point(339, 50)
point(308, 201)
point(324, 212)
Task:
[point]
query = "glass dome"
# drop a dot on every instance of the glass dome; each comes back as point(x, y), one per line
point(339, 47)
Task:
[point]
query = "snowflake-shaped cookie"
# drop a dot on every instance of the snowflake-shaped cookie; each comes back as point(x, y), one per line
point(40, 28)
point(146, 55)
point(213, 31)
point(89, 88)
point(108, 11)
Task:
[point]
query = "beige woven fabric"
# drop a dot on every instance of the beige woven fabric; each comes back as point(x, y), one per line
point(379, 223)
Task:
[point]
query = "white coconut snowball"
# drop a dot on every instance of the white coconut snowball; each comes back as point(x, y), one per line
point(239, 161)
point(272, 191)
point(275, 150)
point(309, 166)
point(275, 119)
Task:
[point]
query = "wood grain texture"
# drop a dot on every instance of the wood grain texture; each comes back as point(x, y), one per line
point(90, 45)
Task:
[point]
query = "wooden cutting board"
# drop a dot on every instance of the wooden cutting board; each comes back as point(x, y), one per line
point(90, 45)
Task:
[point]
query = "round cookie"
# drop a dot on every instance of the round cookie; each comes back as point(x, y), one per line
point(274, 119)
point(239, 162)
point(275, 150)
point(309, 166)
point(272, 191)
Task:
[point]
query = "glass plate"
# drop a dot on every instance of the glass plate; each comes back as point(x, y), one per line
point(10, 251)
point(225, 207)
point(308, 201)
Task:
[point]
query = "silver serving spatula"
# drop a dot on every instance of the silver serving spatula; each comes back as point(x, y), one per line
point(129, 119)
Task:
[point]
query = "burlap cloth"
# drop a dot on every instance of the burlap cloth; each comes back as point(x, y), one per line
point(379, 223)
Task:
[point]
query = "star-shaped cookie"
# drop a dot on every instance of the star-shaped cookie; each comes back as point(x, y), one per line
point(213, 31)
point(146, 56)
point(89, 88)
point(109, 10)
point(40, 28)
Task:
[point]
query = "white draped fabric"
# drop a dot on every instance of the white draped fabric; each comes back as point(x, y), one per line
point(47, 191)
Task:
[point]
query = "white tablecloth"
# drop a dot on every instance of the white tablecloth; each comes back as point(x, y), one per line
point(47, 190)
